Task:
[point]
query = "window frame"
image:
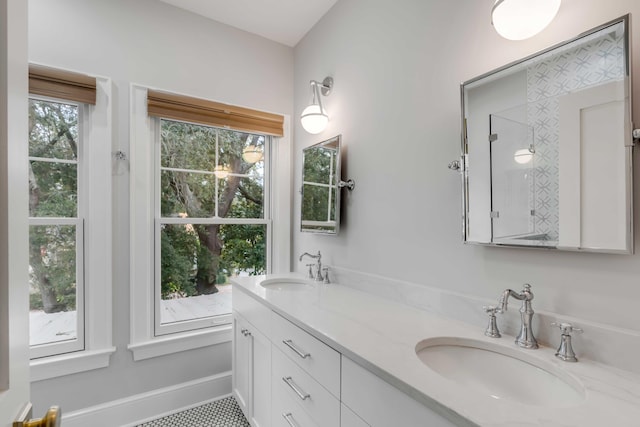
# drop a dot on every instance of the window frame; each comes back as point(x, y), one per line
point(96, 133)
point(211, 321)
point(143, 343)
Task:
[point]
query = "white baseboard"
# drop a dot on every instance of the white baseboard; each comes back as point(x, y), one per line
point(143, 407)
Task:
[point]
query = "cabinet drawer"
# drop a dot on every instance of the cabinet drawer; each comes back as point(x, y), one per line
point(256, 313)
point(320, 405)
point(315, 357)
point(286, 411)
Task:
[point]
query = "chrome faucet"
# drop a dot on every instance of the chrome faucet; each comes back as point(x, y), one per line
point(525, 338)
point(318, 277)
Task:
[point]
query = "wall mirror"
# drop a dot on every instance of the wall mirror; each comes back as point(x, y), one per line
point(547, 148)
point(321, 183)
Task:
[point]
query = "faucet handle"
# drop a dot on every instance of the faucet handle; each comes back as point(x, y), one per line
point(492, 329)
point(565, 350)
point(490, 309)
point(325, 270)
point(567, 328)
point(310, 273)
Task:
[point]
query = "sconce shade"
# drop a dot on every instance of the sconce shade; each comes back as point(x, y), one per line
point(521, 19)
point(314, 119)
point(252, 154)
point(221, 171)
point(523, 156)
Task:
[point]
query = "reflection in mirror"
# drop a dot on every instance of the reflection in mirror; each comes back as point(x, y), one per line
point(320, 212)
point(547, 148)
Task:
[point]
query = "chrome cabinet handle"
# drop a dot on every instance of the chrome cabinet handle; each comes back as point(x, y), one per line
point(289, 419)
point(301, 394)
point(289, 343)
point(245, 332)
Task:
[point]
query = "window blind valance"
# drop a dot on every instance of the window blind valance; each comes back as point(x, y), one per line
point(62, 84)
point(195, 110)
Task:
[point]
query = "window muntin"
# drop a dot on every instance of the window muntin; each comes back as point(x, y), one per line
point(210, 226)
point(55, 228)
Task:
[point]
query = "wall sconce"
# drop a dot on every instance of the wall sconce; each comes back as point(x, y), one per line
point(521, 19)
point(252, 153)
point(524, 155)
point(221, 171)
point(314, 118)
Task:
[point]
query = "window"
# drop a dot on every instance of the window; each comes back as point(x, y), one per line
point(56, 213)
point(69, 222)
point(213, 222)
point(210, 198)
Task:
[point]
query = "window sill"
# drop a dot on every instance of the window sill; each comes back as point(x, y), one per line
point(70, 363)
point(175, 343)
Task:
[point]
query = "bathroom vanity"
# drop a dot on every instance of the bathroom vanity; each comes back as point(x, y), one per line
point(310, 354)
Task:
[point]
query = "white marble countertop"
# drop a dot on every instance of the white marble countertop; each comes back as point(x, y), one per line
point(381, 336)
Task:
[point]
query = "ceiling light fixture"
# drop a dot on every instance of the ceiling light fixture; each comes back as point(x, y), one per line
point(521, 19)
point(314, 118)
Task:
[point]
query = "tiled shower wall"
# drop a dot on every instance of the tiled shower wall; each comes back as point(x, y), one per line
point(552, 76)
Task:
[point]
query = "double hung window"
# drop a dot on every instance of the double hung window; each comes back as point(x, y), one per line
point(56, 226)
point(69, 222)
point(212, 220)
point(202, 212)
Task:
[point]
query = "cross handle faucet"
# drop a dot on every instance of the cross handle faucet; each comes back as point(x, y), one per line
point(318, 277)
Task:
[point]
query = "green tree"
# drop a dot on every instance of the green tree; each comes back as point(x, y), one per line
point(53, 136)
point(192, 258)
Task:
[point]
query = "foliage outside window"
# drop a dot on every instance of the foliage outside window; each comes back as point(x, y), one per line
point(319, 188)
point(212, 224)
point(56, 228)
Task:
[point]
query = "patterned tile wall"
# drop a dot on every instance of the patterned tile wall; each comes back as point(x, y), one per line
point(600, 60)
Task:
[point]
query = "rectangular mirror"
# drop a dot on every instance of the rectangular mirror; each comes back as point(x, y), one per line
point(547, 148)
point(320, 210)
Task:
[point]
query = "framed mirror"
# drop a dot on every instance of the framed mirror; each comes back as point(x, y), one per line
point(547, 148)
point(320, 207)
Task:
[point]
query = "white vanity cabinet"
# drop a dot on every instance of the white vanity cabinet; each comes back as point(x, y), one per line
point(251, 361)
point(285, 377)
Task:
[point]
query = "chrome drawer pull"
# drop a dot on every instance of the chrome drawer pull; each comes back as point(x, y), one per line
point(300, 393)
point(300, 353)
point(289, 419)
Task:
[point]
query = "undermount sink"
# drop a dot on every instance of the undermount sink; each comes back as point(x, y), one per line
point(286, 283)
point(500, 372)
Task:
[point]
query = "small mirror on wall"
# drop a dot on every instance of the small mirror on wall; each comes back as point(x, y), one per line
point(547, 148)
point(321, 184)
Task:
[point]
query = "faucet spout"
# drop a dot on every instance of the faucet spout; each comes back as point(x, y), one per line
point(525, 338)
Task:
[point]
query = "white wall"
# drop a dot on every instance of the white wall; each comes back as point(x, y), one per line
point(397, 68)
point(150, 43)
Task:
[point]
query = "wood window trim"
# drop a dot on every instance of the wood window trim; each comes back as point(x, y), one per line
point(185, 108)
point(62, 84)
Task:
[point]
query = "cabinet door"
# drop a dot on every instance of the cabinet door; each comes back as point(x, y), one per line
point(348, 418)
point(380, 404)
point(241, 352)
point(260, 382)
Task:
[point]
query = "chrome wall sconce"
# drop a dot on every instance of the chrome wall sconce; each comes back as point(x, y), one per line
point(314, 118)
point(521, 19)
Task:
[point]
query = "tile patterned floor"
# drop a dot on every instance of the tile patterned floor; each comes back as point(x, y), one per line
point(221, 413)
